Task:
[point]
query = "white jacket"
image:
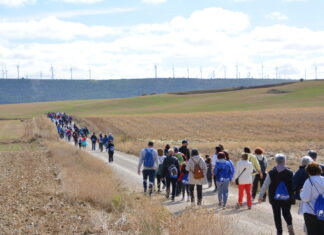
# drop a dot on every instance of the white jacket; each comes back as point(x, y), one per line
point(246, 176)
point(191, 167)
point(309, 193)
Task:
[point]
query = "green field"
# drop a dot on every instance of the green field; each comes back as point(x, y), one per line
point(297, 95)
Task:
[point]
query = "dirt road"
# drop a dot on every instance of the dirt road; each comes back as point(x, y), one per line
point(259, 220)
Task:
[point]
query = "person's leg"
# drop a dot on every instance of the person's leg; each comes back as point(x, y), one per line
point(287, 216)
point(145, 175)
point(225, 192)
point(241, 193)
point(199, 194)
point(255, 185)
point(158, 178)
point(215, 183)
point(168, 182)
point(220, 192)
point(262, 181)
point(277, 217)
point(192, 195)
point(183, 191)
point(179, 187)
point(188, 191)
point(248, 195)
point(174, 188)
point(112, 156)
point(151, 180)
point(311, 224)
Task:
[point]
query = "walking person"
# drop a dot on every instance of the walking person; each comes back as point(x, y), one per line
point(149, 160)
point(223, 172)
point(313, 155)
point(75, 137)
point(313, 200)
point(254, 161)
point(166, 150)
point(171, 171)
point(300, 176)
point(184, 177)
point(243, 178)
point(111, 151)
point(184, 149)
point(159, 177)
point(209, 174)
point(93, 139)
point(197, 175)
point(218, 149)
point(101, 142)
point(258, 180)
point(281, 195)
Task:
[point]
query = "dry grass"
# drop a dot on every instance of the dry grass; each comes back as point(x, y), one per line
point(291, 131)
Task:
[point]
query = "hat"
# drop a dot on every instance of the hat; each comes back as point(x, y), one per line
point(176, 149)
point(312, 154)
point(280, 159)
point(185, 142)
point(305, 160)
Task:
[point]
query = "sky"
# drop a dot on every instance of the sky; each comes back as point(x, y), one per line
point(111, 39)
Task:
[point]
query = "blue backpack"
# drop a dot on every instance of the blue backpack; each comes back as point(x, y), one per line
point(148, 158)
point(281, 193)
point(319, 204)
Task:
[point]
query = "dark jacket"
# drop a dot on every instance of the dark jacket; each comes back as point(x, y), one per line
point(298, 181)
point(185, 151)
point(93, 138)
point(276, 177)
point(168, 161)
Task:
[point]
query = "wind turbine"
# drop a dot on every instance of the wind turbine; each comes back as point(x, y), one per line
point(18, 71)
point(52, 71)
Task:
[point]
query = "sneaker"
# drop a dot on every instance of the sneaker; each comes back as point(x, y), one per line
point(249, 207)
point(172, 199)
point(219, 204)
point(237, 206)
point(224, 207)
point(291, 230)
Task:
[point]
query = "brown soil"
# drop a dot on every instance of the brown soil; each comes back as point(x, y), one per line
point(31, 199)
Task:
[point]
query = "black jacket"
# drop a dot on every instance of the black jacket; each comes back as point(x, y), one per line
point(185, 151)
point(276, 177)
point(168, 161)
point(298, 181)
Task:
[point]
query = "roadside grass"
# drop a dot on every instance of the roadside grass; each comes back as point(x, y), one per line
point(298, 95)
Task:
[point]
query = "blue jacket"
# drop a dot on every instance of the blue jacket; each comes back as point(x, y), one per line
point(298, 181)
point(223, 170)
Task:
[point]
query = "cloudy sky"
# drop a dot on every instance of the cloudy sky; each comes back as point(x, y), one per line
point(126, 38)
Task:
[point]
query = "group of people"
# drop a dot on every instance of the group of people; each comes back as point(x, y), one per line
point(181, 171)
point(68, 129)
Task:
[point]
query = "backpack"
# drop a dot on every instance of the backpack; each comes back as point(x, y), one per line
point(198, 172)
point(173, 171)
point(319, 204)
point(262, 164)
point(112, 149)
point(148, 158)
point(281, 193)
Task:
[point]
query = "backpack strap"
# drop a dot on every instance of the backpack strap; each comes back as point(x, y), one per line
point(314, 185)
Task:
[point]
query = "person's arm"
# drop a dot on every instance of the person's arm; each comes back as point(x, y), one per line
point(232, 170)
point(140, 162)
point(156, 159)
point(265, 187)
point(306, 192)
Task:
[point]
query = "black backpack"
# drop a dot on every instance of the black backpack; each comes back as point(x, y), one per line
point(263, 164)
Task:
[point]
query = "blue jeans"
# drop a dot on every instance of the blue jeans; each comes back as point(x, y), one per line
point(150, 174)
point(223, 191)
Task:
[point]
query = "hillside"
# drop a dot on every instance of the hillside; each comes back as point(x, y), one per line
point(297, 95)
point(33, 90)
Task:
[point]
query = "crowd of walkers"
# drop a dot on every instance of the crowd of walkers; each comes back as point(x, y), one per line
point(180, 171)
point(68, 129)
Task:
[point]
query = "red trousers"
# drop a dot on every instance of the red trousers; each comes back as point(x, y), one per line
point(247, 188)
